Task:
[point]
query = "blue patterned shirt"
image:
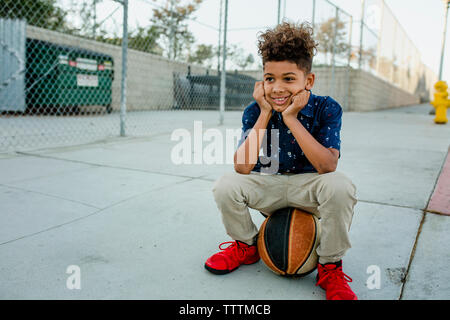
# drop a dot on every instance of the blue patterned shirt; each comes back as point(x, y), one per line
point(322, 117)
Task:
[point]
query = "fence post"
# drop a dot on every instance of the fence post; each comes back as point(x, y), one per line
point(363, 12)
point(123, 90)
point(347, 80)
point(224, 59)
point(220, 37)
point(333, 57)
point(444, 36)
point(279, 12)
point(314, 14)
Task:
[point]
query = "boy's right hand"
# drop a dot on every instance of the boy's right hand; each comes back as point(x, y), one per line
point(260, 96)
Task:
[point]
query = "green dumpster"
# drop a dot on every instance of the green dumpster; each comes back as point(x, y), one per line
point(65, 78)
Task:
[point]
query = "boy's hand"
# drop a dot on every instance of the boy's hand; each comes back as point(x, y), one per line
point(260, 96)
point(299, 101)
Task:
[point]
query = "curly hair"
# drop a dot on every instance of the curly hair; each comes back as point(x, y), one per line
point(291, 42)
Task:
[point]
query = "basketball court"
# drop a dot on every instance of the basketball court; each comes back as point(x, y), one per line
point(136, 226)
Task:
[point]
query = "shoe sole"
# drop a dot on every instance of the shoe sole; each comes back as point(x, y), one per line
point(221, 272)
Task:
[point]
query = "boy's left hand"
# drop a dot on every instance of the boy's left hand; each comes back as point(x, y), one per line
point(299, 101)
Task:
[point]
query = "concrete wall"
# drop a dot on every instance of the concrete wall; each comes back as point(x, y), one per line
point(150, 79)
point(368, 92)
point(357, 90)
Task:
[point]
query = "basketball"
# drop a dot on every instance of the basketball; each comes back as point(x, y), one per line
point(287, 242)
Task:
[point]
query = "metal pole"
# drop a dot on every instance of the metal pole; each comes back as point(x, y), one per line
point(279, 12)
point(172, 33)
point(350, 36)
point(443, 40)
point(224, 59)
point(220, 37)
point(361, 32)
point(379, 39)
point(123, 91)
point(95, 18)
point(333, 57)
point(394, 56)
point(314, 13)
point(347, 80)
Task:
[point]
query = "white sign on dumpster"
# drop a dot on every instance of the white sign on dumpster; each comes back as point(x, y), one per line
point(87, 80)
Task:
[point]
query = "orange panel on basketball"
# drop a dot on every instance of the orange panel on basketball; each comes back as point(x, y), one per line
point(301, 239)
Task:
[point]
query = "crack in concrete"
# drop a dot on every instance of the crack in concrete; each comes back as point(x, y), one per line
point(86, 216)
point(419, 231)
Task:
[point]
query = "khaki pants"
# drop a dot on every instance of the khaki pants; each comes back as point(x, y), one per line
point(330, 196)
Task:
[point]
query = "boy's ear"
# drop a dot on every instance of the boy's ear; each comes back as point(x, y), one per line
point(310, 78)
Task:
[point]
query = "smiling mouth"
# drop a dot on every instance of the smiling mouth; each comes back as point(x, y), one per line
point(280, 101)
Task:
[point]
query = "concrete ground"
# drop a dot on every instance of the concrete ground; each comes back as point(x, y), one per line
point(137, 226)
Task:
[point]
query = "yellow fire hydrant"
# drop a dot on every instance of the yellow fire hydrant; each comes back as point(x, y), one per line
point(441, 102)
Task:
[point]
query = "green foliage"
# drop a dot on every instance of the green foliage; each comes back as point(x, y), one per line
point(239, 57)
point(325, 37)
point(171, 22)
point(203, 54)
point(39, 13)
point(145, 39)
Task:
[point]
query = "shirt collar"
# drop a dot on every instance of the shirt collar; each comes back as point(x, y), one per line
point(308, 110)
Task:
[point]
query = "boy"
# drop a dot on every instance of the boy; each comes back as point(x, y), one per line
point(301, 174)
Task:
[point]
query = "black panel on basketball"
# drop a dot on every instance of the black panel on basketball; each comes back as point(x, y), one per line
point(277, 237)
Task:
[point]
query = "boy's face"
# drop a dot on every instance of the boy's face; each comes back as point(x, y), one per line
point(283, 80)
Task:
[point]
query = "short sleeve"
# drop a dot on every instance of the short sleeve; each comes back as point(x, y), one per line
point(330, 126)
point(249, 118)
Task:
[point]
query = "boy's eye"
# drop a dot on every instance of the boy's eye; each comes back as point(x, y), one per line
point(269, 79)
point(289, 79)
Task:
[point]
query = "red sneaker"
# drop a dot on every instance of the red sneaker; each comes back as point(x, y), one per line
point(230, 258)
point(331, 278)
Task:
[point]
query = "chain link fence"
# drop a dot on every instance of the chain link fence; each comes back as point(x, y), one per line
point(387, 51)
point(74, 72)
point(59, 86)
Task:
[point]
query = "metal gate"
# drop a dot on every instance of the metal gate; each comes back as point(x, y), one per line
point(12, 63)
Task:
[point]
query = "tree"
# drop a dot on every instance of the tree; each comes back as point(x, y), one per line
point(369, 57)
point(145, 39)
point(207, 54)
point(203, 55)
point(171, 22)
point(325, 38)
point(85, 11)
point(39, 13)
point(141, 39)
point(238, 56)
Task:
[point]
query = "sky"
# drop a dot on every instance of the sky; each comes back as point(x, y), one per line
point(422, 21)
